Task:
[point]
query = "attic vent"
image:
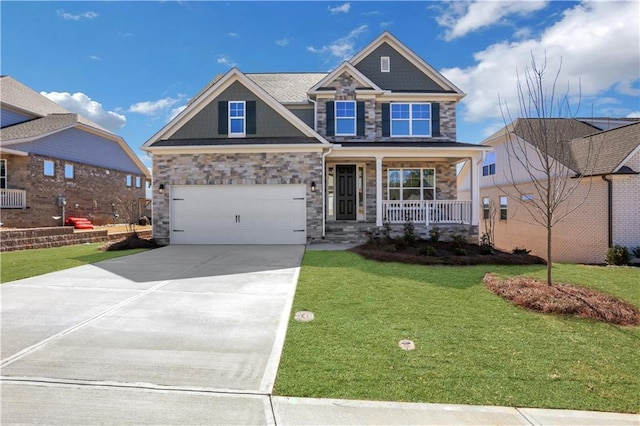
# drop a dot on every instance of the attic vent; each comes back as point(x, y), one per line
point(385, 64)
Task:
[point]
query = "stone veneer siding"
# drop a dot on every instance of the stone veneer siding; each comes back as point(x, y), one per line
point(346, 86)
point(237, 169)
point(92, 188)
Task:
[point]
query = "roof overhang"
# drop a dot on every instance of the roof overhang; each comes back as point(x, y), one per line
point(226, 149)
point(342, 68)
point(14, 152)
point(408, 152)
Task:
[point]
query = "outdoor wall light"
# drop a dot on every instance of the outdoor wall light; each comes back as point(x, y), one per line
point(161, 188)
point(313, 187)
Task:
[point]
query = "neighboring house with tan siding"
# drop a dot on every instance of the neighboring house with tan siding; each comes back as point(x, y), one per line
point(608, 199)
point(50, 156)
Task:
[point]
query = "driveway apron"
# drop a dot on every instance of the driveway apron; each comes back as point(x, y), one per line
point(199, 327)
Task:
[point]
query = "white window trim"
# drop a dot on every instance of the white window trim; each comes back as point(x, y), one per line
point(486, 164)
point(422, 188)
point(505, 208)
point(129, 181)
point(354, 118)
point(385, 64)
point(44, 168)
point(244, 120)
point(410, 120)
point(359, 217)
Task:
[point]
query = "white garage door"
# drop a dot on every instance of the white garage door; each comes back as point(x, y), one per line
point(238, 214)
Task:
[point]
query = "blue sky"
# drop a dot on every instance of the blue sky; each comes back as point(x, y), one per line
point(131, 66)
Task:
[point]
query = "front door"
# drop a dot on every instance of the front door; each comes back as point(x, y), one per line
point(345, 192)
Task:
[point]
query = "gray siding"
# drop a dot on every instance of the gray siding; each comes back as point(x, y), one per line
point(82, 147)
point(404, 76)
point(305, 115)
point(204, 125)
point(10, 118)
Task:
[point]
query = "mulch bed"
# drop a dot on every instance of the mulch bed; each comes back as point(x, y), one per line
point(564, 299)
point(396, 251)
point(133, 242)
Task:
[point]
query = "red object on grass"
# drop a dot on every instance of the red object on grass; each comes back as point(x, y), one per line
point(79, 223)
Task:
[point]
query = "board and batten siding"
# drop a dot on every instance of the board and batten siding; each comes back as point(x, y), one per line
point(9, 117)
point(204, 125)
point(403, 76)
point(83, 147)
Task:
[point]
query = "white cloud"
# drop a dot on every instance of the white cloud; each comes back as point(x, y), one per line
point(95, 58)
point(282, 42)
point(340, 9)
point(341, 48)
point(154, 108)
point(634, 114)
point(175, 111)
point(226, 61)
point(70, 17)
point(597, 42)
point(386, 24)
point(83, 105)
point(461, 18)
point(233, 34)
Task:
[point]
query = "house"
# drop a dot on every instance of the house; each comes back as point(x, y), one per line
point(56, 164)
point(291, 158)
point(601, 212)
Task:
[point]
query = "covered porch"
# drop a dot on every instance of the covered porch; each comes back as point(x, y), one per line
point(370, 186)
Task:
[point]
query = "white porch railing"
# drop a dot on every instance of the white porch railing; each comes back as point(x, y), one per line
point(13, 198)
point(445, 211)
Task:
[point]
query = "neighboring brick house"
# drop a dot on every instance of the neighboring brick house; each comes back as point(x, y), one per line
point(292, 158)
point(49, 155)
point(607, 199)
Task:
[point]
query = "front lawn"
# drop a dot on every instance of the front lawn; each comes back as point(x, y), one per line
point(21, 264)
point(472, 347)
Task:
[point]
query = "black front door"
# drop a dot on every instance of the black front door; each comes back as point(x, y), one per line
point(346, 193)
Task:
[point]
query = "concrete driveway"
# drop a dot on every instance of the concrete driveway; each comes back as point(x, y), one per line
point(182, 334)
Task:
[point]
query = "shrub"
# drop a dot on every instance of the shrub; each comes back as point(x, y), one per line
point(518, 250)
point(486, 249)
point(389, 248)
point(434, 234)
point(400, 244)
point(459, 251)
point(636, 251)
point(409, 233)
point(459, 240)
point(618, 255)
point(428, 251)
point(386, 230)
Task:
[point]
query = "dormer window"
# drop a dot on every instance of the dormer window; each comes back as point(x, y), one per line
point(237, 119)
point(385, 64)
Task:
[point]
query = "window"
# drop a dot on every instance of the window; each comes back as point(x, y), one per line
point(68, 171)
point(411, 184)
point(385, 64)
point(503, 208)
point(138, 182)
point(49, 168)
point(528, 197)
point(486, 206)
point(489, 164)
point(237, 118)
point(3, 174)
point(410, 119)
point(345, 118)
point(128, 180)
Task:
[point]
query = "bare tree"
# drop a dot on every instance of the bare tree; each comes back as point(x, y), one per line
point(489, 214)
point(540, 152)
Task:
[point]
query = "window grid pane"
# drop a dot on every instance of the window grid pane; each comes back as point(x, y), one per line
point(411, 184)
point(410, 119)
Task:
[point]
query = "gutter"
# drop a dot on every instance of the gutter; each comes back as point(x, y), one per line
point(609, 209)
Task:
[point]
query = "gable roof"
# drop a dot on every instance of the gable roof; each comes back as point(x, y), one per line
point(391, 40)
point(612, 147)
point(349, 69)
point(215, 89)
point(21, 97)
point(38, 127)
point(287, 88)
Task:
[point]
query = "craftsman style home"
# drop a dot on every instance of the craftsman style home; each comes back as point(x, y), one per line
point(291, 158)
point(55, 163)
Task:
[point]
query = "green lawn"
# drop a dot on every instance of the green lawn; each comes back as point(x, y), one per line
point(15, 265)
point(472, 347)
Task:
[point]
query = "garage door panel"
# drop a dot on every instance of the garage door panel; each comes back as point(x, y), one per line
point(238, 214)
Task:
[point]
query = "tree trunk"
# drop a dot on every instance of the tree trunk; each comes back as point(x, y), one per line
point(549, 234)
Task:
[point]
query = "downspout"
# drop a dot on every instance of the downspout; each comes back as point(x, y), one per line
point(609, 208)
point(324, 191)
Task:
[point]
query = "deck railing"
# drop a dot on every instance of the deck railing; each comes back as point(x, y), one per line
point(445, 211)
point(13, 198)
